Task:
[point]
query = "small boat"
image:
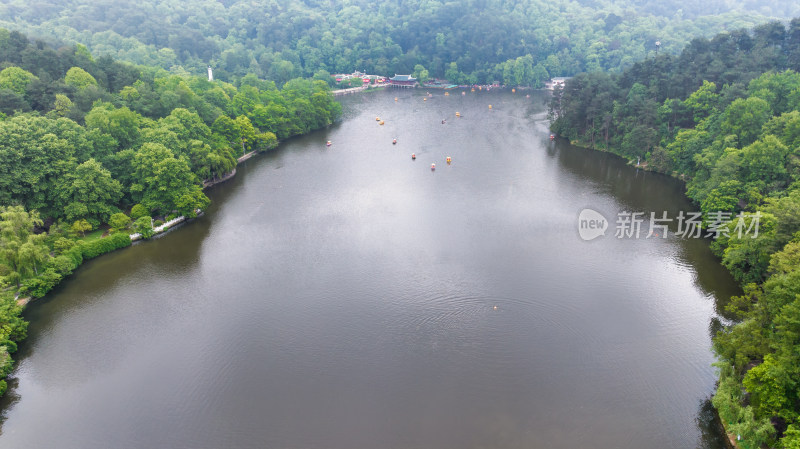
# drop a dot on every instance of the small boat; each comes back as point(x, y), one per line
point(552, 136)
point(513, 91)
point(472, 90)
point(381, 122)
point(449, 160)
point(328, 143)
point(425, 99)
point(463, 93)
point(490, 106)
point(433, 167)
point(395, 98)
point(394, 141)
point(458, 114)
point(413, 156)
point(447, 94)
point(377, 119)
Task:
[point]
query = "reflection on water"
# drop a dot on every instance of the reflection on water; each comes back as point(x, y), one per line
point(347, 296)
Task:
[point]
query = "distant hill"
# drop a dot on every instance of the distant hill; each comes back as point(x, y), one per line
point(279, 40)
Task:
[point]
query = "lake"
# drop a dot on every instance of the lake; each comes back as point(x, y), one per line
point(350, 297)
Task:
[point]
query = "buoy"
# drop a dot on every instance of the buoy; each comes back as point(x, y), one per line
point(480, 87)
point(494, 308)
point(528, 96)
point(473, 90)
point(513, 91)
point(463, 93)
point(395, 98)
point(433, 166)
point(381, 122)
point(449, 160)
point(490, 106)
point(447, 94)
point(425, 99)
point(413, 156)
point(394, 141)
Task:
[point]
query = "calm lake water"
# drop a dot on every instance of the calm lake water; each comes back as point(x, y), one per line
point(348, 297)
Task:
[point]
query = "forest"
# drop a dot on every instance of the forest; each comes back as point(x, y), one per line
point(724, 115)
point(93, 148)
point(466, 41)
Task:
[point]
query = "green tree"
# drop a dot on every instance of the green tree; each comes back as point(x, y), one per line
point(119, 222)
point(144, 226)
point(90, 192)
point(16, 79)
point(79, 78)
point(20, 249)
point(81, 227)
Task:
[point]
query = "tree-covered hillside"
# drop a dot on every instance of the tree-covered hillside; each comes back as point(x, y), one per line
point(472, 39)
point(91, 143)
point(724, 116)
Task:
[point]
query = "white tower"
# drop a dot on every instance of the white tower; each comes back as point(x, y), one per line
point(210, 74)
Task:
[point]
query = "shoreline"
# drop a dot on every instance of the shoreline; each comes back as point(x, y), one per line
point(729, 438)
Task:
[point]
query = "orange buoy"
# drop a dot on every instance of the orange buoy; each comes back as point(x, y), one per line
point(449, 160)
point(513, 91)
point(425, 99)
point(395, 98)
point(413, 156)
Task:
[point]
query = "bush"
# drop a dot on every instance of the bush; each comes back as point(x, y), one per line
point(76, 254)
point(10, 346)
point(90, 250)
point(62, 244)
point(138, 211)
point(158, 223)
point(144, 226)
point(119, 221)
point(63, 264)
point(40, 285)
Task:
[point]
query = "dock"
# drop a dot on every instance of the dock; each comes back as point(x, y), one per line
point(352, 90)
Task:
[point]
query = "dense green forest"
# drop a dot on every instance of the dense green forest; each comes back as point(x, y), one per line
point(725, 116)
point(467, 41)
point(94, 143)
